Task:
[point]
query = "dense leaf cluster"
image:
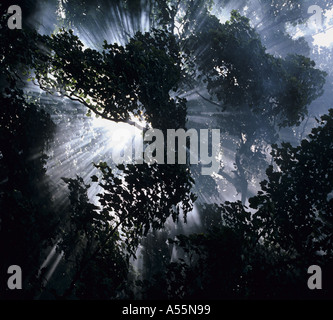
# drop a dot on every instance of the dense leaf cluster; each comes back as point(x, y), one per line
point(260, 251)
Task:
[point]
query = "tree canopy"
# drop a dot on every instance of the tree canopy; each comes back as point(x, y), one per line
point(80, 233)
point(264, 251)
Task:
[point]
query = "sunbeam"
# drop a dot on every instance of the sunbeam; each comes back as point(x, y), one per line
point(113, 114)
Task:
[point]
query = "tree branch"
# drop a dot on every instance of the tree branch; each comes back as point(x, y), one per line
point(73, 97)
point(210, 101)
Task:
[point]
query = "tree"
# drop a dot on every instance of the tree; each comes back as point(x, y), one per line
point(271, 18)
point(147, 77)
point(258, 92)
point(230, 58)
point(94, 238)
point(293, 216)
point(268, 250)
point(119, 82)
point(28, 219)
point(96, 267)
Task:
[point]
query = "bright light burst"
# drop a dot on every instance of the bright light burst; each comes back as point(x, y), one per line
point(116, 135)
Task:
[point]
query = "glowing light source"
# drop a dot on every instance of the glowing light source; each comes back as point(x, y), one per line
point(115, 134)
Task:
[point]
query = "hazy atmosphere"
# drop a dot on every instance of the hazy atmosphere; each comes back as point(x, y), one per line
point(168, 150)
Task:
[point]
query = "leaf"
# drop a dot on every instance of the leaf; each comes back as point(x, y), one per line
point(121, 167)
point(94, 178)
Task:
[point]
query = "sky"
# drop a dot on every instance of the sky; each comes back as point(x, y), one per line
point(321, 33)
point(111, 135)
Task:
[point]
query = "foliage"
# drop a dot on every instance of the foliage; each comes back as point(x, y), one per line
point(28, 221)
point(90, 244)
point(243, 76)
point(265, 252)
point(261, 252)
point(258, 93)
point(131, 205)
point(120, 81)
